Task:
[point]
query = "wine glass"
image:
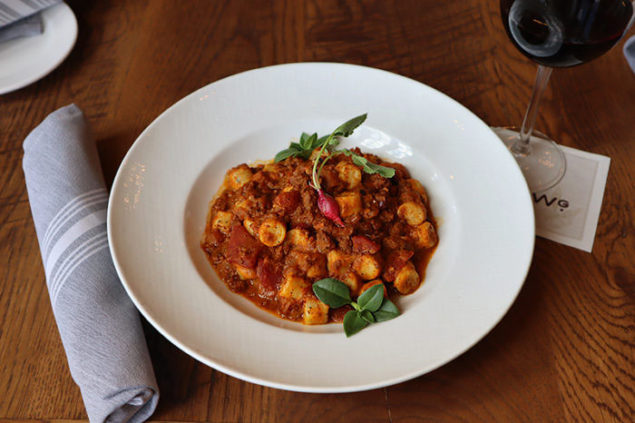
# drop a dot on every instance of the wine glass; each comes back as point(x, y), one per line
point(556, 33)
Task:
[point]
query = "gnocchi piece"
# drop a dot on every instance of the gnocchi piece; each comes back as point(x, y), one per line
point(272, 232)
point(416, 185)
point(349, 174)
point(372, 283)
point(316, 271)
point(407, 279)
point(367, 266)
point(239, 176)
point(424, 235)
point(293, 287)
point(352, 281)
point(271, 167)
point(241, 206)
point(251, 226)
point(300, 239)
point(414, 214)
point(350, 203)
point(245, 273)
point(336, 262)
point(300, 260)
point(222, 221)
point(315, 312)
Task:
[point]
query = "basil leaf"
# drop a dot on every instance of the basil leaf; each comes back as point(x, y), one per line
point(348, 127)
point(304, 141)
point(387, 311)
point(359, 161)
point(386, 172)
point(307, 142)
point(333, 143)
point(332, 292)
point(304, 154)
point(285, 154)
point(367, 316)
point(370, 167)
point(353, 323)
point(372, 298)
point(318, 142)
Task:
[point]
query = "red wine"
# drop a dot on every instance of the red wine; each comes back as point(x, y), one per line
point(562, 33)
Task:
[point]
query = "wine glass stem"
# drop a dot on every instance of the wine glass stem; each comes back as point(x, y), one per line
point(542, 79)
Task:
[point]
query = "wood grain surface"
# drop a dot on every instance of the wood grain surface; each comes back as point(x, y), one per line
point(563, 353)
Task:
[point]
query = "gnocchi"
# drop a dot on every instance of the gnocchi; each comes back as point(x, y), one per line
point(350, 203)
point(414, 214)
point(367, 266)
point(239, 176)
point(272, 232)
point(269, 240)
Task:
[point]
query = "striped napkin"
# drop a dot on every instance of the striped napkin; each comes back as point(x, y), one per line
point(21, 18)
point(13, 10)
point(629, 52)
point(99, 326)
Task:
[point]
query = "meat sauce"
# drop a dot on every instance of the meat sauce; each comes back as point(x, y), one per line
point(267, 241)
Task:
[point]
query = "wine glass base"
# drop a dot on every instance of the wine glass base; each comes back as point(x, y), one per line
point(543, 166)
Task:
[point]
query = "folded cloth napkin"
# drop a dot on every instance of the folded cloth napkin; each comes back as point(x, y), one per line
point(629, 52)
point(25, 27)
point(14, 10)
point(99, 326)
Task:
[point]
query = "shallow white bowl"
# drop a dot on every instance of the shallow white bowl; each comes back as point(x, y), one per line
point(160, 196)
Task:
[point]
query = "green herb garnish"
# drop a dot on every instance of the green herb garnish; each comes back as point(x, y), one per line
point(368, 167)
point(307, 143)
point(303, 148)
point(370, 307)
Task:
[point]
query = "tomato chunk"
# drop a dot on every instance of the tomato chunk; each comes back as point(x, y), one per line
point(364, 245)
point(242, 248)
point(269, 274)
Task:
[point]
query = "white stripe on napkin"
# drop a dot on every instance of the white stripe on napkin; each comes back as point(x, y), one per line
point(100, 245)
point(66, 212)
point(70, 257)
point(82, 226)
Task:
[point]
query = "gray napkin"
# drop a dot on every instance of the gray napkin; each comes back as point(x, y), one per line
point(99, 326)
point(14, 10)
point(25, 27)
point(629, 52)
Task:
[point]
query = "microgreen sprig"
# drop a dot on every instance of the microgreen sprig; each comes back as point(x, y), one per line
point(370, 307)
point(344, 130)
point(308, 143)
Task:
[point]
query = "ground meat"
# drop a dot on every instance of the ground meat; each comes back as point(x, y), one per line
point(324, 243)
point(247, 237)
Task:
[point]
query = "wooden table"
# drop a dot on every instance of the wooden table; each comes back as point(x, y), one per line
point(565, 350)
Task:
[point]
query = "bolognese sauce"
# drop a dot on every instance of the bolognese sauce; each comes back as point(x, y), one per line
point(267, 241)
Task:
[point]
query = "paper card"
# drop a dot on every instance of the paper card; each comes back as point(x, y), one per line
point(568, 213)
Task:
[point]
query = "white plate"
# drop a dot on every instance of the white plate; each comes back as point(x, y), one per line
point(25, 60)
point(159, 202)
